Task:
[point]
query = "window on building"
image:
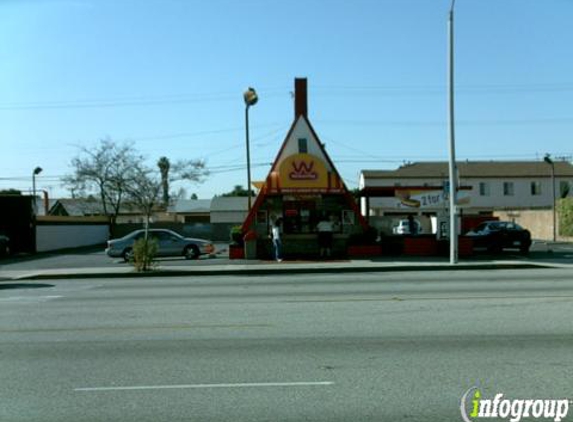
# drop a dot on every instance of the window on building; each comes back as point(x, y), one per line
point(564, 189)
point(535, 188)
point(302, 146)
point(508, 188)
point(484, 189)
point(262, 217)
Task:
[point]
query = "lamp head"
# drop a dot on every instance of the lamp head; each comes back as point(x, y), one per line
point(548, 159)
point(250, 96)
point(37, 170)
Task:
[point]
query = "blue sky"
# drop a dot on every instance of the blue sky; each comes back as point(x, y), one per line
point(168, 75)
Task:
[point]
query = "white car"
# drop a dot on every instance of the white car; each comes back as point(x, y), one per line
point(403, 227)
point(169, 243)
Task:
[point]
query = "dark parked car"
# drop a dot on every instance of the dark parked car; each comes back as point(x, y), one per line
point(4, 245)
point(498, 235)
point(169, 243)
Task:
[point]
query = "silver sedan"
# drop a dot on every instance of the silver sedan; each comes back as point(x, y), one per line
point(169, 243)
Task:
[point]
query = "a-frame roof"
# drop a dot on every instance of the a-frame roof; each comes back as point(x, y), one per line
point(301, 128)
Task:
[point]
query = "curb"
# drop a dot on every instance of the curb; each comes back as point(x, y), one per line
point(283, 271)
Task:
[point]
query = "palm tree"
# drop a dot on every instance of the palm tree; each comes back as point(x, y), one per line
point(164, 166)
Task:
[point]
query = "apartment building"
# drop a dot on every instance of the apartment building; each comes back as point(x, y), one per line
point(486, 187)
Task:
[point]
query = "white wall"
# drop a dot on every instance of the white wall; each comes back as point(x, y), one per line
point(522, 197)
point(53, 237)
point(233, 217)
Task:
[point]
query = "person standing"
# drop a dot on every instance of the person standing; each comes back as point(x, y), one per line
point(325, 229)
point(276, 238)
point(412, 226)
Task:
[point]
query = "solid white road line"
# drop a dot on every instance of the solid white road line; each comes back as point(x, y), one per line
point(191, 386)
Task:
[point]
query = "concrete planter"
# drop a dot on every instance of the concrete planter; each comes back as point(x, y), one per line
point(236, 252)
point(420, 246)
point(465, 246)
point(251, 249)
point(359, 251)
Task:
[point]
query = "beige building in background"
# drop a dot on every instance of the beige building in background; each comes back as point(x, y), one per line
point(521, 191)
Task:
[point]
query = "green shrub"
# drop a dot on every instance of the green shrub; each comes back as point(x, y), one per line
point(565, 209)
point(237, 235)
point(144, 252)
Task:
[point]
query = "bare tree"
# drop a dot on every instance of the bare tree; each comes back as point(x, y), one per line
point(105, 169)
point(189, 170)
point(117, 173)
point(144, 191)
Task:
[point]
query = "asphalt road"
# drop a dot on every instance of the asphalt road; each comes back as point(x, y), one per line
point(368, 347)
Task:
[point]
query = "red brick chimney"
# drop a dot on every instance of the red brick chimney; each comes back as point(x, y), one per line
point(300, 98)
point(46, 202)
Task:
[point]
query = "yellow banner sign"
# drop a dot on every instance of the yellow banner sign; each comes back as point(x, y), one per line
point(303, 171)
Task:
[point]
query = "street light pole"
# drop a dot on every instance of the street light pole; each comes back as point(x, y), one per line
point(549, 161)
point(251, 98)
point(452, 159)
point(248, 157)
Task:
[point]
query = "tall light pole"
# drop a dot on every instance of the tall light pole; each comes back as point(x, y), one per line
point(549, 161)
point(250, 96)
point(36, 171)
point(452, 164)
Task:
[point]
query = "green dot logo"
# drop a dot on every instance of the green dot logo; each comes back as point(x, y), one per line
point(475, 404)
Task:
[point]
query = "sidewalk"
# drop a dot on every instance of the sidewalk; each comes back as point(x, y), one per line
point(257, 267)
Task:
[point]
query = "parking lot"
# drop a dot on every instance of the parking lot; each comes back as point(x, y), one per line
point(95, 257)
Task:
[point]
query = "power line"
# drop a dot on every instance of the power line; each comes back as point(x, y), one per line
point(198, 133)
point(209, 132)
point(253, 141)
point(398, 90)
point(320, 90)
point(344, 145)
point(240, 168)
point(130, 102)
point(418, 123)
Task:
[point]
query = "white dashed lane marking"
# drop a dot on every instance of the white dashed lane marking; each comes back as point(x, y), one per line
point(27, 299)
point(202, 386)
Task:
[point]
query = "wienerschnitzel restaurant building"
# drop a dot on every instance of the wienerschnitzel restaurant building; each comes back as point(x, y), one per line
point(302, 188)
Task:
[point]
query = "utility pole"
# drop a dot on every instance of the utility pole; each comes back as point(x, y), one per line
point(452, 164)
point(549, 161)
